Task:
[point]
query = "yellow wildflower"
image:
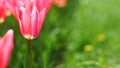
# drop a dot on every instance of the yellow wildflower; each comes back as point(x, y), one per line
point(101, 37)
point(88, 47)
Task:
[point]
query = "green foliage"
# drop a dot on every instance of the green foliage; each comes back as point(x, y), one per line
point(83, 34)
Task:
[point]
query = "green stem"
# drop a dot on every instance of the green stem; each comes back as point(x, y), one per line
point(30, 52)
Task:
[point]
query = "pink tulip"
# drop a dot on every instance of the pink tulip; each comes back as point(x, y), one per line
point(30, 14)
point(11, 5)
point(6, 46)
point(2, 11)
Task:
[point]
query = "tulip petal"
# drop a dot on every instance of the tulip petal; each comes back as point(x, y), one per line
point(6, 46)
point(19, 15)
point(2, 11)
point(34, 21)
point(41, 18)
point(24, 20)
point(11, 6)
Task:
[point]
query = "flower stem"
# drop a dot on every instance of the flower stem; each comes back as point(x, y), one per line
point(30, 52)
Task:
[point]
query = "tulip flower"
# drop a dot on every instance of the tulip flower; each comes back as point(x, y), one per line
point(3, 11)
point(30, 15)
point(6, 46)
point(60, 3)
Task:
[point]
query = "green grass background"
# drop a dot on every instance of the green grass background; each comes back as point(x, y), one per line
point(65, 33)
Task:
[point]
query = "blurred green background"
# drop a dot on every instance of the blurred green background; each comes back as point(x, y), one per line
point(83, 34)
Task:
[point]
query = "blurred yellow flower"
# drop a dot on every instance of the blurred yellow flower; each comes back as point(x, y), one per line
point(88, 47)
point(8, 13)
point(101, 37)
point(1, 20)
